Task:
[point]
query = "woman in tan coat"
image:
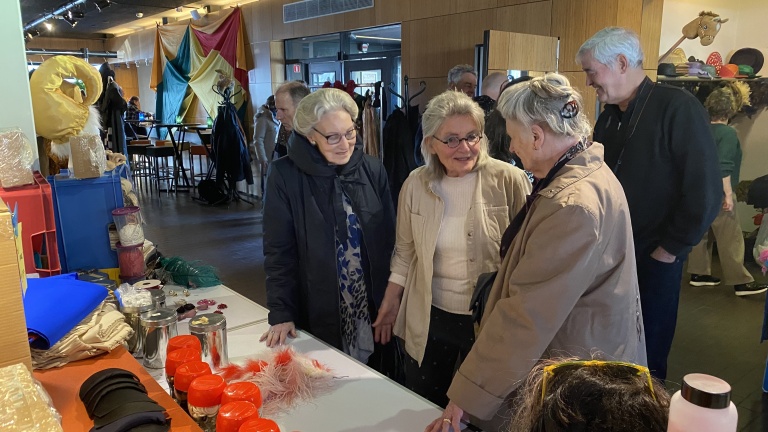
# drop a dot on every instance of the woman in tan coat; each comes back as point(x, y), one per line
point(567, 285)
point(450, 217)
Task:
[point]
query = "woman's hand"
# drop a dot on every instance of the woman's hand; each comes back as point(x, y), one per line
point(452, 416)
point(278, 333)
point(390, 305)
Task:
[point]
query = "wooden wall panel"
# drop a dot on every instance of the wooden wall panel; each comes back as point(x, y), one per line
point(331, 24)
point(515, 2)
point(429, 8)
point(650, 32)
point(519, 51)
point(435, 86)
point(429, 56)
point(469, 28)
point(630, 14)
point(128, 79)
point(460, 6)
point(392, 11)
point(532, 18)
point(574, 21)
point(261, 15)
point(277, 62)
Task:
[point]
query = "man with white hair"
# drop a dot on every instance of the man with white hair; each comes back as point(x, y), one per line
point(658, 143)
point(463, 78)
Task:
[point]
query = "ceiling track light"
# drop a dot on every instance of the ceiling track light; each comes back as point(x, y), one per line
point(31, 34)
point(72, 17)
point(101, 4)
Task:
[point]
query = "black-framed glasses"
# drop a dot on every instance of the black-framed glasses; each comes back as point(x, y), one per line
point(334, 139)
point(453, 142)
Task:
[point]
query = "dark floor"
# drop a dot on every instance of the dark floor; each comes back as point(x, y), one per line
point(717, 333)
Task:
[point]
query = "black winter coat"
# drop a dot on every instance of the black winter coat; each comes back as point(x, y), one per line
point(302, 208)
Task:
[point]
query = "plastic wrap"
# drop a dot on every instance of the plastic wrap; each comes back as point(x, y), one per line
point(89, 159)
point(132, 297)
point(26, 406)
point(16, 158)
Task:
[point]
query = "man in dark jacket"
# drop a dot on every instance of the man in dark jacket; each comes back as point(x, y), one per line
point(287, 98)
point(658, 143)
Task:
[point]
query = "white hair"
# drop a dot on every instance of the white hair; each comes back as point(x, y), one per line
point(323, 101)
point(454, 75)
point(610, 42)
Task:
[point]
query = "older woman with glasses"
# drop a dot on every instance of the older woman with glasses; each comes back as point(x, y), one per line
point(329, 228)
point(567, 284)
point(450, 218)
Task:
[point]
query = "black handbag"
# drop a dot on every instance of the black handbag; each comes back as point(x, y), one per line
point(480, 295)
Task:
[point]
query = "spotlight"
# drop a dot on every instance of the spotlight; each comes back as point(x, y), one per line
point(48, 26)
point(72, 17)
point(31, 33)
point(139, 15)
point(101, 4)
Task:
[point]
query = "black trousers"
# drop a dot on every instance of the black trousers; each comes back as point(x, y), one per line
point(450, 338)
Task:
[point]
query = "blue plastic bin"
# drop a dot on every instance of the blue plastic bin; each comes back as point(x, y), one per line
point(83, 211)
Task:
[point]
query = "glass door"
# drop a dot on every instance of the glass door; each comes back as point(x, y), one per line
point(367, 72)
point(320, 73)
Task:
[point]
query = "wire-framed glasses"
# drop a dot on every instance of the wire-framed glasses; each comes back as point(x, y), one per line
point(454, 141)
point(334, 139)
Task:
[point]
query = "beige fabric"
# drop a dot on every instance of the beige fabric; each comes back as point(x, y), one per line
point(567, 287)
point(500, 192)
point(726, 230)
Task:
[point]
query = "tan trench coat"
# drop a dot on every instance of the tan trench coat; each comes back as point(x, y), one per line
point(567, 287)
point(500, 192)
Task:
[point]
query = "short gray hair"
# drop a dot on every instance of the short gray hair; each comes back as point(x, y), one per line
point(448, 104)
point(607, 44)
point(454, 75)
point(541, 101)
point(320, 103)
point(297, 90)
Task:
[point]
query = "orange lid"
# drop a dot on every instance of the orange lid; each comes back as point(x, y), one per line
point(183, 341)
point(232, 415)
point(179, 357)
point(187, 373)
point(205, 391)
point(242, 391)
point(259, 425)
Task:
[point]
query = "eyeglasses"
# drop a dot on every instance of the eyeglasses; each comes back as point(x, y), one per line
point(453, 142)
point(334, 139)
point(632, 369)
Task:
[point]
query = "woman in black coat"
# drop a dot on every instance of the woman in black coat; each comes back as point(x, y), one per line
point(329, 230)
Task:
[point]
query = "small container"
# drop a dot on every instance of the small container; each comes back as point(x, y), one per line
point(174, 360)
point(185, 374)
point(133, 318)
point(233, 414)
point(211, 329)
point(242, 391)
point(184, 341)
point(204, 400)
point(702, 405)
point(131, 261)
point(129, 228)
point(158, 297)
point(158, 327)
point(259, 425)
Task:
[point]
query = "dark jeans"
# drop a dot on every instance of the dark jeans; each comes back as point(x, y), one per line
point(660, 296)
point(450, 338)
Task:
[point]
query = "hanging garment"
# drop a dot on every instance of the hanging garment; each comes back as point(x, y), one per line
point(398, 151)
point(371, 128)
point(112, 108)
point(230, 148)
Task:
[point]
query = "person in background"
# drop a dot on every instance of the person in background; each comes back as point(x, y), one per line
point(658, 143)
point(489, 91)
point(329, 230)
point(287, 98)
point(451, 213)
point(134, 114)
point(265, 127)
point(567, 281)
point(496, 131)
point(571, 395)
point(722, 104)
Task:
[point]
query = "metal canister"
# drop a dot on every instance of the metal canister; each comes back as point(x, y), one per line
point(211, 329)
point(133, 318)
point(158, 326)
point(158, 297)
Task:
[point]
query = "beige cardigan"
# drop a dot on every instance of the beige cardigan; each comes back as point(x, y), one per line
point(500, 192)
point(567, 287)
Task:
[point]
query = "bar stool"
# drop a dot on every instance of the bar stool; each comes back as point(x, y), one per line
point(137, 156)
point(156, 154)
point(201, 152)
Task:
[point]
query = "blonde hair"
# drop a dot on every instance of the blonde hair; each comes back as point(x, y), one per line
point(448, 104)
point(541, 101)
point(320, 103)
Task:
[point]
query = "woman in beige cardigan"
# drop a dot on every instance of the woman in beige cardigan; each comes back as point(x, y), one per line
point(450, 218)
point(567, 284)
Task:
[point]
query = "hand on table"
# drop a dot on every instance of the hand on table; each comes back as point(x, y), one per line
point(452, 416)
point(278, 333)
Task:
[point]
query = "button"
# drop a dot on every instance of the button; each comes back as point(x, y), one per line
point(469, 234)
point(472, 260)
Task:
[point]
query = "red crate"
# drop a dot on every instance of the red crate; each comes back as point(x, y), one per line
point(38, 229)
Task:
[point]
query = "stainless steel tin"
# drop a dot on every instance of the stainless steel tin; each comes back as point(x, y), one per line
point(158, 297)
point(157, 326)
point(135, 343)
point(211, 329)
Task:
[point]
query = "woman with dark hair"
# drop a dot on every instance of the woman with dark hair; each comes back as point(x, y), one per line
point(496, 130)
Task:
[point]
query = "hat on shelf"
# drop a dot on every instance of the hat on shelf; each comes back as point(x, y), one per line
point(729, 71)
point(752, 57)
point(746, 71)
point(716, 60)
point(710, 72)
point(678, 56)
point(668, 70)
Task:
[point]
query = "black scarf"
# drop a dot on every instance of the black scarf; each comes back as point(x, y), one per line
point(517, 222)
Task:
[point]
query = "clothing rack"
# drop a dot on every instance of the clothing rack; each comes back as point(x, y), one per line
point(406, 97)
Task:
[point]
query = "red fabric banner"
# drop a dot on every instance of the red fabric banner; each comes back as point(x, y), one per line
point(224, 40)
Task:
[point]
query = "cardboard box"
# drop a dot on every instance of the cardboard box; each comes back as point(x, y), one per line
point(14, 343)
